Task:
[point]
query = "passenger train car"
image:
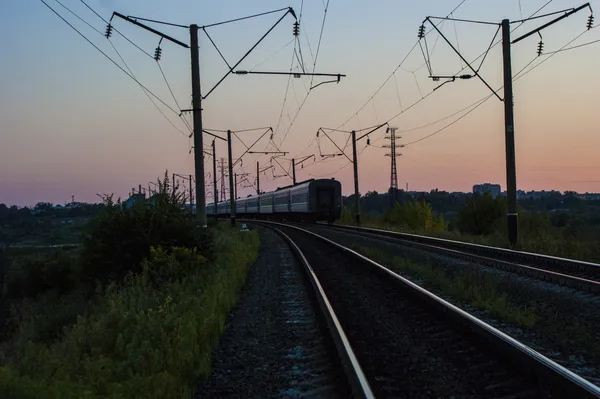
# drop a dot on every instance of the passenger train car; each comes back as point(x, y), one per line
point(312, 200)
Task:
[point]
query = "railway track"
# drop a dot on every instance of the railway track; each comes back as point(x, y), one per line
point(580, 275)
point(399, 340)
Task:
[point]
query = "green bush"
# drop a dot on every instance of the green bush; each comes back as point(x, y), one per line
point(149, 337)
point(415, 216)
point(480, 215)
point(174, 266)
point(120, 237)
point(31, 277)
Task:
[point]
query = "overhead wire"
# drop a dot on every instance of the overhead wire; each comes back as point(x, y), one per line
point(174, 98)
point(319, 42)
point(475, 105)
point(550, 55)
point(520, 74)
point(130, 75)
point(147, 95)
point(116, 30)
point(427, 95)
point(293, 120)
point(80, 18)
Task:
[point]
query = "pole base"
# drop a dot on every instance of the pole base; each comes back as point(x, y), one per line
point(512, 220)
point(358, 218)
point(233, 221)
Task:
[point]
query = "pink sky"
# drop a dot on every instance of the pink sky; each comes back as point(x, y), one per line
point(73, 124)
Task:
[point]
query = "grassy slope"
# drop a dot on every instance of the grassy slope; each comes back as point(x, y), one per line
point(137, 341)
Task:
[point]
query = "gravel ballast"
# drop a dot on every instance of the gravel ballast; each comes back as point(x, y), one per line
point(274, 344)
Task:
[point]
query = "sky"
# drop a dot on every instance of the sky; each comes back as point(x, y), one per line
point(73, 124)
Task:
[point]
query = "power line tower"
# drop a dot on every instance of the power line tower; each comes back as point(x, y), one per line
point(393, 155)
point(223, 196)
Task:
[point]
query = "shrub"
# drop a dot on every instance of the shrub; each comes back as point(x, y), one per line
point(120, 237)
point(416, 216)
point(31, 277)
point(164, 267)
point(481, 214)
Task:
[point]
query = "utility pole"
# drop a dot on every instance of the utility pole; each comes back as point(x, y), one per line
point(231, 189)
point(355, 162)
point(299, 162)
point(512, 217)
point(197, 112)
point(215, 193)
point(354, 159)
point(235, 188)
point(257, 178)
point(196, 92)
point(293, 171)
point(509, 128)
point(191, 196)
point(223, 195)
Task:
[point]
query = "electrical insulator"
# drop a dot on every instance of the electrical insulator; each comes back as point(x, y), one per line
point(368, 140)
point(302, 166)
point(421, 31)
point(296, 29)
point(108, 31)
point(157, 53)
point(297, 75)
point(540, 48)
point(590, 22)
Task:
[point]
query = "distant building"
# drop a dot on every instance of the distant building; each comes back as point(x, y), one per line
point(493, 189)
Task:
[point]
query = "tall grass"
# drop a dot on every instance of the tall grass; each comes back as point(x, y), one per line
point(150, 337)
point(546, 240)
point(480, 290)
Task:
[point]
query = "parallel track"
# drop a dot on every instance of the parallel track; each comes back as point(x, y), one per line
point(411, 343)
point(566, 272)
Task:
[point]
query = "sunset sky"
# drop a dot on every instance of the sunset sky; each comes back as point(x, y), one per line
point(72, 123)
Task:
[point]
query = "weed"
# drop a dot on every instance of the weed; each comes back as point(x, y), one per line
point(480, 290)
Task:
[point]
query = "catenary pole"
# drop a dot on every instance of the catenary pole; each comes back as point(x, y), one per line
point(197, 112)
point(355, 162)
point(294, 171)
point(231, 188)
point(215, 192)
point(509, 124)
point(257, 178)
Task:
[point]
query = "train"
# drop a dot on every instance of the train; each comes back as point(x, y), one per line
point(313, 200)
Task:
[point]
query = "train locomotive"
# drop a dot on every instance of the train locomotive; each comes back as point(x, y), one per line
point(310, 201)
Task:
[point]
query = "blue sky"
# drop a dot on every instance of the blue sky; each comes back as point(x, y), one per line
point(73, 123)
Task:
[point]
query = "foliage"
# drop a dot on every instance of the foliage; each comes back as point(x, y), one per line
point(45, 223)
point(414, 215)
point(149, 337)
point(31, 277)
point(120, 237)
point(550, 223)
point(480, 214)
point(478, 289)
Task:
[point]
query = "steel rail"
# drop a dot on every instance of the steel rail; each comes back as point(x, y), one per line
point(592, 269)
point(543, 369)
point(354, 373)
point(567, 280)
